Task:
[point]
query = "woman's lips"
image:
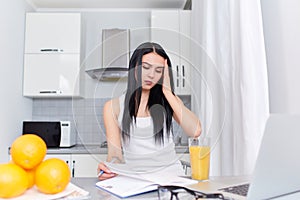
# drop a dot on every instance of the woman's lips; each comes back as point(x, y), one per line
point(148, 82)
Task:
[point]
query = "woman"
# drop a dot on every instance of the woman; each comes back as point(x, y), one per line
point(138, 124)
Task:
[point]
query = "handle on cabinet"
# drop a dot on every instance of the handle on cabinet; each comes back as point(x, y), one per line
point(183, 76)
point(73, 168)
point(52, 50)
point(177, 76)
point(50, 92)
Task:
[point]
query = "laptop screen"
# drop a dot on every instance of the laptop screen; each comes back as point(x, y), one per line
point(277, 170)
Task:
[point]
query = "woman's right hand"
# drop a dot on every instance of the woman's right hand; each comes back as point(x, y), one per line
point(106, 172)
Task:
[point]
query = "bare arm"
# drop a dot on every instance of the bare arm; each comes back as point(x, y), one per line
point(183, 116)
point(110, 116)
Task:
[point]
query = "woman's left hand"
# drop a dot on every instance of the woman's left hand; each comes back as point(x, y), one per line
point(166, 87)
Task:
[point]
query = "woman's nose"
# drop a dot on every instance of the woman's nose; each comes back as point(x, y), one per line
point(151, 73)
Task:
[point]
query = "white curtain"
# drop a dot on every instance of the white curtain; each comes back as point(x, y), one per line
point(230, 83)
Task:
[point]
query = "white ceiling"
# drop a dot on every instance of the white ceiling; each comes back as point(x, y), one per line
point(106, 4)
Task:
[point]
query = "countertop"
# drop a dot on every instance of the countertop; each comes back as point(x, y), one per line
point(95, 193)
point(78, 149)
point(95, 149)
point(88, 184)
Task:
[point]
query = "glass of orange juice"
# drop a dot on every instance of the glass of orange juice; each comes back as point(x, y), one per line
point(199, 149)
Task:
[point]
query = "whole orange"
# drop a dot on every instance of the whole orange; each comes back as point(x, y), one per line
point(52, 176)
point(13, 180)
point(28, 151)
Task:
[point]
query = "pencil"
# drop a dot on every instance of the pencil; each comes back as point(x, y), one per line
point(101, 171)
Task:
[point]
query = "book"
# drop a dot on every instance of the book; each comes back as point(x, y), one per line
point(130, 184)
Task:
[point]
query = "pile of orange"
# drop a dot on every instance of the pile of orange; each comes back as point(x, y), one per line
point(28, 168)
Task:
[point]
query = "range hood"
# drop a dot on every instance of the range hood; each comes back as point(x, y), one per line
point(115, 55)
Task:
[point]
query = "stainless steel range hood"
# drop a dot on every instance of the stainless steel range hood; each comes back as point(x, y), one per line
point(115, 55)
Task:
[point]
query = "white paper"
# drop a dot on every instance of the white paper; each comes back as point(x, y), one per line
point(129, 184)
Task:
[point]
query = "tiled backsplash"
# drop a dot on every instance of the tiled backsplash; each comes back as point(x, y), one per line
point(85, 116)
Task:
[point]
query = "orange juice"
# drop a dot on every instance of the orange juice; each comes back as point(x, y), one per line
point(200, 158)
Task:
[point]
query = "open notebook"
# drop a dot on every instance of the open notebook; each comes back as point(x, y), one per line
point(128, 184)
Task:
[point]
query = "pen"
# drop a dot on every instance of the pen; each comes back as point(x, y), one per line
point(101, 171)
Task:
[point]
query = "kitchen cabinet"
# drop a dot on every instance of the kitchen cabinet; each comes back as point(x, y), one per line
point(171, 29)
point(81, 165)
point(52, 31)
point(57, 76)
point(52, 55)
point(85, 165)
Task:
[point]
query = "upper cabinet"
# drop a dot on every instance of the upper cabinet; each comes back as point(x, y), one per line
point(52, 55)
point(171, 29)
point(52, 32)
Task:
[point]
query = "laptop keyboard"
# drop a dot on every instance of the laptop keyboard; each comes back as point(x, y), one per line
point(239, 189)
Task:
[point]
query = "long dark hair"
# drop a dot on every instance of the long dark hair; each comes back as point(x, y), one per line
point(160, 109)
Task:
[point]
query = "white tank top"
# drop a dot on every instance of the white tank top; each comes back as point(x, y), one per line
point(141, 151)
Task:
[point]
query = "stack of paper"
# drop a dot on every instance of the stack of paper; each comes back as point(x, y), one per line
point(127, 184)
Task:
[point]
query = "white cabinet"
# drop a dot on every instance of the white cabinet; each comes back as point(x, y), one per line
point(81, 165)
point(51, 74)
point(52, 31)
point(52, 55)
point(85, 165)
point(171, 29)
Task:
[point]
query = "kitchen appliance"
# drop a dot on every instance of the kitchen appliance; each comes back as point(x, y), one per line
point(115, 55)
point(54, 133)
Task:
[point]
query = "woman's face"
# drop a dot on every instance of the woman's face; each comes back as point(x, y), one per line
point(152, 69)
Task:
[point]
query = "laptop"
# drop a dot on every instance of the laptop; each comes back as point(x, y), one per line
point(277, 169)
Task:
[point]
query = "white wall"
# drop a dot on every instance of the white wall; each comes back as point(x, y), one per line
point(281, 20)
point(14, 107)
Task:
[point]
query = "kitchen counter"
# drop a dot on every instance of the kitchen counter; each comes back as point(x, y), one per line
point(78, 149)
point(88, 184)
point(95, 149)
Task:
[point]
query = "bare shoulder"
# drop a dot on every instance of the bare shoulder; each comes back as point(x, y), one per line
point(112, 107)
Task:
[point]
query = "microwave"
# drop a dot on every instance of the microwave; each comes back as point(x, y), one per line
point(54, 133)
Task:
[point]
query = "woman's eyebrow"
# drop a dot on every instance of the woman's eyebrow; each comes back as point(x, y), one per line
point(152, 65)
point(146, 63)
